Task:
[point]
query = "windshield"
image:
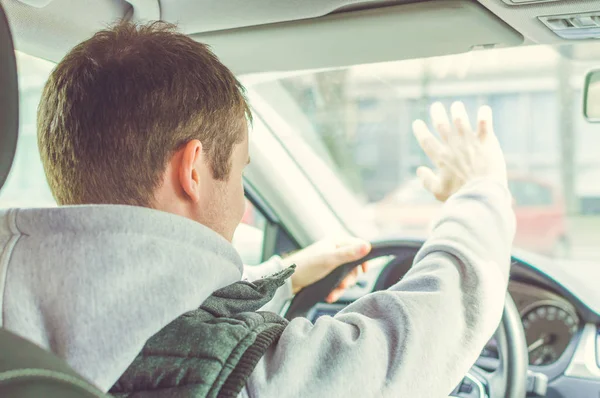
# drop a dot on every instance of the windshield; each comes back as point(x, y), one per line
point(359, 120)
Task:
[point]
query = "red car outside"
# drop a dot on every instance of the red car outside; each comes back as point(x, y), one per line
point(539, 209)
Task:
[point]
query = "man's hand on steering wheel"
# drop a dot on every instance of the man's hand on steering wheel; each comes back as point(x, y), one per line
point(319, 259)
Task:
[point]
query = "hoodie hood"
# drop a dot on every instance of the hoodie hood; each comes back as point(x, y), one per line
point(93, 283)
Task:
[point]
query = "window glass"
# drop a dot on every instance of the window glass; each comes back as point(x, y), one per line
point(26, 185)
point(361, 115)
point(250, 235)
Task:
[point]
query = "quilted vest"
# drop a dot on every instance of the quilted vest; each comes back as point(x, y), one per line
point(211, 351)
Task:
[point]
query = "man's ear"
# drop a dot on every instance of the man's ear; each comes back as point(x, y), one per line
point(192, 159)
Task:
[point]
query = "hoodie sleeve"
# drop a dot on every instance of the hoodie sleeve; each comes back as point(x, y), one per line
point(270, 267)
point(421, 336)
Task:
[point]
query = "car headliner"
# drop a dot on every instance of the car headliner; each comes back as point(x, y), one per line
point(269, 35)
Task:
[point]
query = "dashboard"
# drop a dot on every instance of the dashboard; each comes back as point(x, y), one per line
point(562, 334)
point(550, 322)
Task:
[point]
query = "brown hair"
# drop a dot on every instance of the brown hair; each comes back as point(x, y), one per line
point(118, 106)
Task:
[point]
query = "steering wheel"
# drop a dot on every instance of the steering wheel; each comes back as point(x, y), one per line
point(509, 380)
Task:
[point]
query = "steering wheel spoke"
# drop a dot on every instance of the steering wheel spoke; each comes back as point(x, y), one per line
point(474, 384)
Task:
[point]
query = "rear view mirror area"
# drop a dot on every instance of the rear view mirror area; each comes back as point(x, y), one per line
point(591, 100)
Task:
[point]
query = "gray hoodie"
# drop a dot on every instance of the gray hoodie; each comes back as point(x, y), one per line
point(93, 283)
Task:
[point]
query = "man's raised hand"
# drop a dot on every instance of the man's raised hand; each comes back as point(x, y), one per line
point(462, 154)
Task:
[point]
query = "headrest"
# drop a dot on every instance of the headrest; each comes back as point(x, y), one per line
point(9, 99)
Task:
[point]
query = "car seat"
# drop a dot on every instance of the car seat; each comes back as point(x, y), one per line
point(26, 370)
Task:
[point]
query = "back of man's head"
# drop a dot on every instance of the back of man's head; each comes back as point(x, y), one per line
point(120, 104)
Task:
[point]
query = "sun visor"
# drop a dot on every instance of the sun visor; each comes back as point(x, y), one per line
point(366, 36)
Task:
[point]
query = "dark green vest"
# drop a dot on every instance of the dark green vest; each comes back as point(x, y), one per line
point(209, 352)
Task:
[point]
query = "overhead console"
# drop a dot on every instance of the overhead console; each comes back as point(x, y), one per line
point(550, 21)
point(574, 26)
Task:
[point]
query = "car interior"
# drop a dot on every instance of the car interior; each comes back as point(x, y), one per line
point(302, 183)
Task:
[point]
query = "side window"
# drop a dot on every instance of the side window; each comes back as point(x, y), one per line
point(261, 235)
point(249, 237)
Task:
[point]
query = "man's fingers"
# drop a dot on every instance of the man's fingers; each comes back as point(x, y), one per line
point(484, 122)
point(430, 145)
point(439, 118)
point(430, 181)
point(347, 241)
point(350, 279)
point(334, 295)
point(351, 250)
point(365, 267)
point(461, 120)
point(344, 284)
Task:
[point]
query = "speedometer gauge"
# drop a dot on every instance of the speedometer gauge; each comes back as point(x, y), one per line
point(549, 328)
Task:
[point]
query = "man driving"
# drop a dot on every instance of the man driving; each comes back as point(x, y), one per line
point(144, 134)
